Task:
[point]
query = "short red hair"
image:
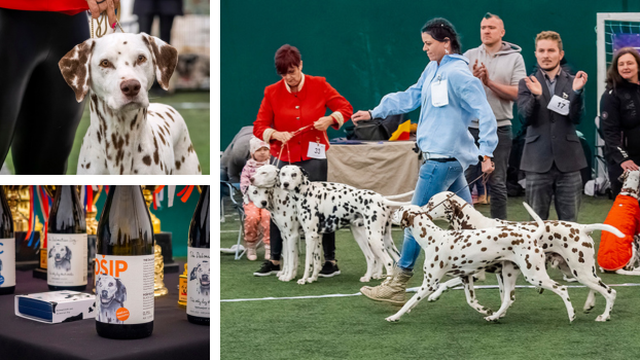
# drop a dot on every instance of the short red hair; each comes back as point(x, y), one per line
point(286, 57)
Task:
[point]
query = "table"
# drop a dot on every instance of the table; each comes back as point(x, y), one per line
point(386, 167)
point(173, 336)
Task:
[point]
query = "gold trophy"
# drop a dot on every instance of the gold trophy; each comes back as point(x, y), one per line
point(182, 289)
point(158, 280)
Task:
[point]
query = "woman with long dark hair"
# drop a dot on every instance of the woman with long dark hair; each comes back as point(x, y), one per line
point(619, 116)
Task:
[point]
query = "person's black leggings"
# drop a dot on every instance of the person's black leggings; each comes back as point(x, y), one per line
point(317, 170)
point(166, 24)
point(39, 113)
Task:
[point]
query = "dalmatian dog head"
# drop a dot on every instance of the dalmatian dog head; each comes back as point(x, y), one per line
point(292, 177)
point(265, 176)
point(405, 214)
point(260, 197)
point(110, 291)
point(119, 68)
point(630, 183)
point(60, 255)
point(201, 274)
point(440, 206)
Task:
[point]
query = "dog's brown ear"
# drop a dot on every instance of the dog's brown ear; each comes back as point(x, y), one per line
point(76, 69)
point(407, 219)
point(165, 58)
point(624, 176)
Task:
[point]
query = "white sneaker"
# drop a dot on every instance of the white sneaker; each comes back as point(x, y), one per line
point(251, 253)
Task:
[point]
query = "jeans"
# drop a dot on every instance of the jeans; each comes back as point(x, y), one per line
point(317, 170)
point(498, 178)
point(566, 188)
point(434, 177)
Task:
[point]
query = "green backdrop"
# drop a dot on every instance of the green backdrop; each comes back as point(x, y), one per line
point(175, 219)
point(368, 48)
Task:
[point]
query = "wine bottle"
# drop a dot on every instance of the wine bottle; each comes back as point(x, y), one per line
point(124, 266)
point(67, 242)
point(199, 262)
point(7, 248)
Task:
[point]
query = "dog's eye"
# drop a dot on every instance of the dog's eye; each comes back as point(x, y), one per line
point(105, 63)
point(141, 59)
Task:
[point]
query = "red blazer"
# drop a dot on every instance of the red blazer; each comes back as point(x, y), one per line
point(283, 111)
point(614, 253)
point(69, 7)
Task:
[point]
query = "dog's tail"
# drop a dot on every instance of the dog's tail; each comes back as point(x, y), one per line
point(541, 227)
point(589, 228)
point(395, 203)
point(399, 196)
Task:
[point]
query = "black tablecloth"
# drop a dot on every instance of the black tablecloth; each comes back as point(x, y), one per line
point(173, 336)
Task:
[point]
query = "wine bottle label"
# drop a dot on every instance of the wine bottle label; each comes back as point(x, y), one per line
point(199, 280)
point(67, 259)
point(124, 289)
point(7, 262)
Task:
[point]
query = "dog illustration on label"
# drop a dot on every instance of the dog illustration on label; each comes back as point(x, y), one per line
point(201, 274)
point(61, 257)
point(111, 294)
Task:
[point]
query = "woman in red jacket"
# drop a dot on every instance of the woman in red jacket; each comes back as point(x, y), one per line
point(299, 102)
point(38, 110)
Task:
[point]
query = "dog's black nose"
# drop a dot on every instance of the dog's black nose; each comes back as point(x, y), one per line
point(130, 87)
point(105, 293)
point(286, 185)
point(264, 203)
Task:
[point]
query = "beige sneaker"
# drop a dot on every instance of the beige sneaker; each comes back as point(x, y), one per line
point(267, 252)
point(251, 252)
point(392, 290)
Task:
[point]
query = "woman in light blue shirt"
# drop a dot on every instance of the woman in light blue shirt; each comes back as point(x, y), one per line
point(450, 97)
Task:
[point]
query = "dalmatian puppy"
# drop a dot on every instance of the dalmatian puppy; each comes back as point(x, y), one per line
point(111, 295)
point(567, 246)
point(201, 273)
point(621, 255)
point(323, 207)
point(127, 135)
point(60, 257)
point(463, 253)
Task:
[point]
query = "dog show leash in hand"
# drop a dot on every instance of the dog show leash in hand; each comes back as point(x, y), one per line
point(102, 29)
point(482, 176)
point(293, 134)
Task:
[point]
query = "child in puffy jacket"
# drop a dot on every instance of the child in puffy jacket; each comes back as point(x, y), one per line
point(256, 221)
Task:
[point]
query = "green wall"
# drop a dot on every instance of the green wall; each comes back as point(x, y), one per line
point(367, 49)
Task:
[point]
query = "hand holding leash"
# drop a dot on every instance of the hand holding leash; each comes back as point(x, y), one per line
point(97, 7)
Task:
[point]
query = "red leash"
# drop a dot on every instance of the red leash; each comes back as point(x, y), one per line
point(294, 134)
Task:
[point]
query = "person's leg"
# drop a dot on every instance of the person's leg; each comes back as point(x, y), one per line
point(538, 192)
point(49, 114)
point(614, 171)
point(434, 177)
point(498, 178)
point(251, 221)
point(145, 22)
point(265, 220)
point(166, 24)
point(568, 195)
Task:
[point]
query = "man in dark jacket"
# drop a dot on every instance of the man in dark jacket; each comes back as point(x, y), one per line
point(551, 103)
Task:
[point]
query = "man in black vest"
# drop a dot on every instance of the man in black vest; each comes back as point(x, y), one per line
point(551, 103)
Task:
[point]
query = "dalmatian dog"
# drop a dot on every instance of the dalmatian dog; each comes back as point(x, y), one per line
point(323, 207)
point(622, 255)
point(201, 273)
point(265, 192)
point(60, 257)
point(567, 246)
point(111, 294)
point(127, 135)
point(463, 253)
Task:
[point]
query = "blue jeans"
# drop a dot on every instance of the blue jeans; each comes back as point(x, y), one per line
point(434, 177)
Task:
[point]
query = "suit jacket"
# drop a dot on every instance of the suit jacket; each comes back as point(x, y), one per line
point(551, 137)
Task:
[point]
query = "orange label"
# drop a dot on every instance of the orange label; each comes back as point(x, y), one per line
point(122, 314)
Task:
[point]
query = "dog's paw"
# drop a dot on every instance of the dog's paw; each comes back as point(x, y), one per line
point(493, 318)
point(393, 318)
point(436, 294)
point(302, 281)
point(365, 279)
point(602, 318)
point(587, 308)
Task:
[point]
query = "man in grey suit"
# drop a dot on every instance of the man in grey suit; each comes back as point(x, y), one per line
point(551, 103)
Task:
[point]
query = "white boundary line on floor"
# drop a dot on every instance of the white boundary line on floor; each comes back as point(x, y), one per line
point(414, 289)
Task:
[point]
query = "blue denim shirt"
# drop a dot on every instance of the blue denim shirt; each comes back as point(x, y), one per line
point(443, 130)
